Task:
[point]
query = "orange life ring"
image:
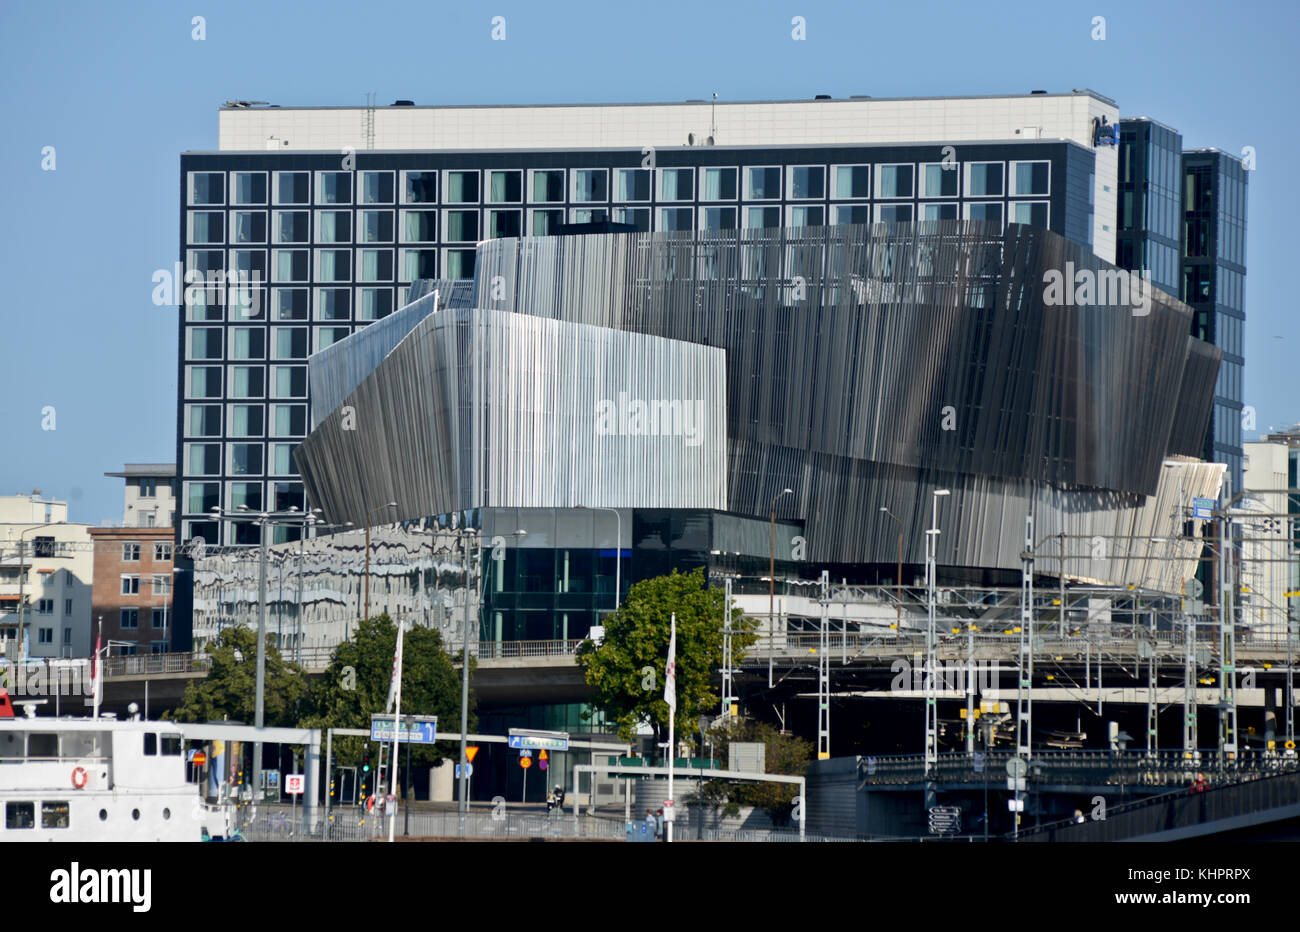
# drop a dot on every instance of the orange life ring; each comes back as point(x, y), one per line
point(370, 803)
point(79, 777)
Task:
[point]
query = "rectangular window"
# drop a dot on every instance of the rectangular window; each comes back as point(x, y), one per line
point(333, 303)
point(762, 218)
point(207, 188)
point(45, 606)
point(677, 184)
point(589, 215)
point(248, 266)
point(290, 303)
point(162, 552)
point(248, 226)
point(896, 181)
point(245, 459)
point(205, 381)
point(289, 342)
point(248, 187)
point(894, 213)
point(376, 187)
point(505, 187)
point(67, 610)
point(201, 497)
point(158, 647)
point(674, 219)
point(717, 184)
point(460, 226)
point(374, 303)
point(245, 421)
point(807, 182)
point(1032, 213)
point(420, 226)
point(282, 459)
point(204, 459)
point(988, 212)
point(460, 263)
point(590, 184)
point(763, 183)
point(131, 552)
point(209, 263)
point(547, 186)
point(852, 213)
point(248, 342)
point(289, 420)
point(717, 218)
point(328, 336)
point(639, 217)
point(808, 216)
point(293, 187)
point(462, 188)
point(938, 181)
point(162, 586)
point(289, 381)
point(46, 635)
point(203, 420)
point(545, 222)
point(375, 226)
point(984, 179)
point(851, 181)
point(130, 585)
point(632, 184)
point(1031, 177)
point(421, 263)
point(502, 223)
point(334, 187)
point(286, 495)
point(420, 188)
point(292, 226)
point(290, 265)
point(205, 343)
point(20, 815)
point(333, 226)
point(333, 265)
point(246, 382)
point(247, 494)
point(207, 227)
point(129, 618)
point(938, 211)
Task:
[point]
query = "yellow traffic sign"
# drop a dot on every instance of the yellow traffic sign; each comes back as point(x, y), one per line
point(542, 755)
point(470, 751)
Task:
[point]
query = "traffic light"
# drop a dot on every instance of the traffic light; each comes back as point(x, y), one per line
point(365, 760)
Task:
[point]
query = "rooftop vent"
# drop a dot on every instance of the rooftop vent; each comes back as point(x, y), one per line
point(403, 103)
point(822, 97)
point(1038, 92)
point(859, 97)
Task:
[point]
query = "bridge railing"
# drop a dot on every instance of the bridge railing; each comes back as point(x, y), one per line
point(1116, 768)
point(488, 650)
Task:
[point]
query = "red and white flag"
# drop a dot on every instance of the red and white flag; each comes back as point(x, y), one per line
point(670, 674)
point(395, 684)
point(94, 674)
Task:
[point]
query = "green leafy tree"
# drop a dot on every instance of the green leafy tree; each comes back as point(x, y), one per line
point(627, 669)
point(229, 691)
point(784, 754)
point(355, 685)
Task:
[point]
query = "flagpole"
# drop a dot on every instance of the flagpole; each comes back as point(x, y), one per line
point(96, 675)
point(397, 724)
point(670, 689)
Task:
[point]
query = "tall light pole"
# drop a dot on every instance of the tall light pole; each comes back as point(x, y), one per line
point(22, 579)
point(898, 579)
point(618, 549)
point(931, 642)
point(368, 514)
point(771, 588)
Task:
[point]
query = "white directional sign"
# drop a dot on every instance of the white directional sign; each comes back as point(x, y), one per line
point(529, 739)
point(417, 729)
point(945, 820)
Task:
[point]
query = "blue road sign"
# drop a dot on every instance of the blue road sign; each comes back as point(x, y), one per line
point(416, 729)
point(539, 740)
point(1203, 508)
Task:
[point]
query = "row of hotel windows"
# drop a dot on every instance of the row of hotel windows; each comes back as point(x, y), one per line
point(161, 583)
point(286, 343)
point(202, 497)
point(243, 459)
point(592, 185)
point(473, 226)
point(205, 304)
point(239, 532)
point(246, 420)
point(131, 551)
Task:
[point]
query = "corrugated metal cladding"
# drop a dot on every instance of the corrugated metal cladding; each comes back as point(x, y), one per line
point(865, 367)
point(478, 408)
point(833, 799)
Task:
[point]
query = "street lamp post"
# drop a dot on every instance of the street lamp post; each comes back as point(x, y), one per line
point(368, 514)
point(931, 639)
point(771, 588)
point(22, 579)
point(898, 578)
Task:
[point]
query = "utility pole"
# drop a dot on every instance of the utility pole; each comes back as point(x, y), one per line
point(1025, 665)
point(1227, 638)
point(726, 653)
point(970, 687)
point(824, 674)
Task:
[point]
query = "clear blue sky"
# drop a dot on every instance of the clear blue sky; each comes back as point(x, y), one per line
point(120, 89)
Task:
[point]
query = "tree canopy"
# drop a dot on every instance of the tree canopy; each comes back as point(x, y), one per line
point(229, 691)
point(627, 669)
point(785, 754)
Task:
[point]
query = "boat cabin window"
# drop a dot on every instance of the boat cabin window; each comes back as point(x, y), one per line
point(171, 745)
point(54, 815)
point(81, 744)
point(151, 743)
point(20, 815)
point(12, 745)
point(42, 744)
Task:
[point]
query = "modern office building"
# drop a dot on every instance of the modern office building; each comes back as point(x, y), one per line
point(333, 213)
point(46, 570)
point(150, 494)
point(1150, 202)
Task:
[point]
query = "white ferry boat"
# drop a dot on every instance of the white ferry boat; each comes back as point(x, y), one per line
point(68, 779)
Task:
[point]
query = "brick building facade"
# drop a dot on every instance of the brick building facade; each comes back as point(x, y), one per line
point(131, 598)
